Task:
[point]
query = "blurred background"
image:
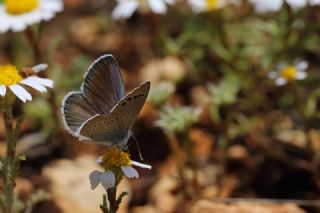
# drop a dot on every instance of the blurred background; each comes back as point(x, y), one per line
point(233, 110)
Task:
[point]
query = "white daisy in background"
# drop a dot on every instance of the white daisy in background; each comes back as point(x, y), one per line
point(125, 8)
point(16, 15)
point(206, 5)
point(115, 163)
point(11, 78)
point(314, 2)
point(263, 6)
point(286, 73)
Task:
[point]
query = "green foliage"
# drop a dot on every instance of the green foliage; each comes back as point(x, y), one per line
point(177, 119)
point(161, 93)
point(224, 93)
point(40, 110)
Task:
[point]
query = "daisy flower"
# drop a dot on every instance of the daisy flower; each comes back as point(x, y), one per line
point(286, 73)
point(16, 15)
point(206, 5)
point(125, 8)
point(11, 78)
point(262, 6)
point(314, 2)
point(116, 163)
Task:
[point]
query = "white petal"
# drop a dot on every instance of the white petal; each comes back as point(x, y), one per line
point(314, 2)
point(145, 166)
point(130, 172)
point(272, 74)
point(157, 6)
point(124, 9)
point(40, 67)
point(297, 4)
point(197, 6)
point(107, 179)
point(94, 178)
point(302, 65)
point(99, 159)
point(43, 81)
point(34, 85)
point(55, 6)
point(170, 1)
point(5, 23)
point(281, 81)
point(20, 92)
point(18, 24)
point(3, 90)
point(265, 6)
point(301, 75)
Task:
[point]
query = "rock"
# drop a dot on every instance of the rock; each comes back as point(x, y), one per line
point(169, 68)
point(145, 209)
point(207, 206)
point(84, 31)
point(162, 193)
point(296, 137)
point(70, 187)
point(237, 152)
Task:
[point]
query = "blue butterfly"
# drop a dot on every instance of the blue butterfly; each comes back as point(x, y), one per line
point(101, 112)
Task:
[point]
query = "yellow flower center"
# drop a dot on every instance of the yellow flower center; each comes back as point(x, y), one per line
point(114, 158)
point(15, 7)
point(289, 72)
point(9, 75)
point(212, 4)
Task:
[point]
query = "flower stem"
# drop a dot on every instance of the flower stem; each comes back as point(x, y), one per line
point(180, 156)
point(112, 199)
point(113, 204)
point(9, 170)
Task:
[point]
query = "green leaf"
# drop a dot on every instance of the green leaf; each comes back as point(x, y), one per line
point(22, 157)
point(121, 196)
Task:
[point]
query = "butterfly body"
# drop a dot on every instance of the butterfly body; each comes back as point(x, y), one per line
point(100, 112)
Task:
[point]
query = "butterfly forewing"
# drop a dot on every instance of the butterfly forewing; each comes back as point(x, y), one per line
point(76, 110)
point(116, 126)
point(130, 106)
point(103, 84)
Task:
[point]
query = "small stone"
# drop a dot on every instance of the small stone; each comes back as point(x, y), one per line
point(161, 193)
point(169, 68)
point(237, 152)
point(84, 31)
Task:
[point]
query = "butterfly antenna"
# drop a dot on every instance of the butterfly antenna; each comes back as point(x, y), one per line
point(141, 158)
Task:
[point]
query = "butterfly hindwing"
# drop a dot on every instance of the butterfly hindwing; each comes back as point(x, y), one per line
point(103, 84)
point(76, 110)
point(106, 129)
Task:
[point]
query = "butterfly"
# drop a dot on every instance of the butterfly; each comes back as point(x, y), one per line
point(101, 112)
